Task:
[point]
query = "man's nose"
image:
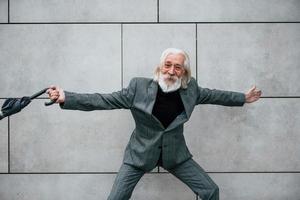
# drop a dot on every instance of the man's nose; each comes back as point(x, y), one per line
point(171, 70)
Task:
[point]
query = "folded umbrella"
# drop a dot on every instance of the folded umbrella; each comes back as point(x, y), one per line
point(14, 105)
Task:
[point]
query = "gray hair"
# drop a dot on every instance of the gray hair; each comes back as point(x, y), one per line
point(186, 65)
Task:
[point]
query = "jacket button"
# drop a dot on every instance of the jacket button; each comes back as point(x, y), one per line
point(159, 147)
point(165, 145)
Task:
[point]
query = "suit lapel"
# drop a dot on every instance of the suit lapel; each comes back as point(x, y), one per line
point(186, 100)
point(151, 96)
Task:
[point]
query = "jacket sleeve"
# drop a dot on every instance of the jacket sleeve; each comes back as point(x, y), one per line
point(88, 102)
point(220, 97)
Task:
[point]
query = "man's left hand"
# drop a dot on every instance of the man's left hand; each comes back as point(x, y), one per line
point(253, 95)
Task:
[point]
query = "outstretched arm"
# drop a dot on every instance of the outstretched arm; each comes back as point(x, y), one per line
point(96, 101)
point(227, 98)
point(252, 95)
point(220, 97)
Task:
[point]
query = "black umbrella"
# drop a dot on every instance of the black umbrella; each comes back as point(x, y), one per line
point(14, 105)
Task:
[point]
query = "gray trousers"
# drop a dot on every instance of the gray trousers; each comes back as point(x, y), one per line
point(189, 172)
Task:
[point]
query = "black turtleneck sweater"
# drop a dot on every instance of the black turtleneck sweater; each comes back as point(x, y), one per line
point(167, 106)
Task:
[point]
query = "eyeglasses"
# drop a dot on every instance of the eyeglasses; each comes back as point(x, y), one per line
point(176, 66)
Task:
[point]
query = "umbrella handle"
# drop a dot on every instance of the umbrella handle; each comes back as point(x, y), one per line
point(40, 93)
point(50, 103)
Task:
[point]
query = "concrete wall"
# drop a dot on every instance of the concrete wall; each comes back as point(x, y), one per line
point(98, 46)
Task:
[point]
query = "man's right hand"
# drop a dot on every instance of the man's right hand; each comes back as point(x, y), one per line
point(56, 93)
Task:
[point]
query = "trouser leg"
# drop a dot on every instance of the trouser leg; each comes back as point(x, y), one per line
point(127, 178)
point(190, 173)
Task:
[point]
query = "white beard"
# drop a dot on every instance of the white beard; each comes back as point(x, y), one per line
point(168, 87)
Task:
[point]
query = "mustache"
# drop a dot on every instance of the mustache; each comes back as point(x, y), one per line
point(168, 76)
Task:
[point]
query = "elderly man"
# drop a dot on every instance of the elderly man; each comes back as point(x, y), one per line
point(160, 107)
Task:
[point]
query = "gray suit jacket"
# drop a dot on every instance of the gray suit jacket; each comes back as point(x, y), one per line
point(149, 137)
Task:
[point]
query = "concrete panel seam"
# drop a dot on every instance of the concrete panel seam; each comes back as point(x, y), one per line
point(157, 11)
point(196, 51)
point(122, 57)
point(263, 97)
point(254, 22)
point(86, 173)
point(8, 6)
point(280, 97)
point(163, 172)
